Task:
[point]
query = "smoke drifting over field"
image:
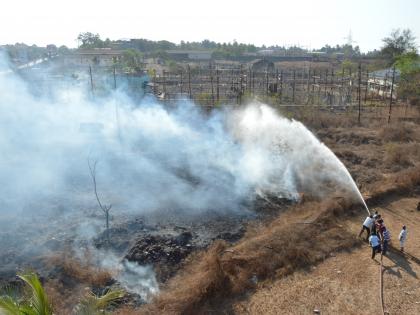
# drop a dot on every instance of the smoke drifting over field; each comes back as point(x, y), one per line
point(151, 159)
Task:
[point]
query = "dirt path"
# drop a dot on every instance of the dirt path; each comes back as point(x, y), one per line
point(348, 283)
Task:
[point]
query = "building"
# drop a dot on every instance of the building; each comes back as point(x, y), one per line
point(380, 83)
point(261, 65)
point(196, 55)
point(102, 57)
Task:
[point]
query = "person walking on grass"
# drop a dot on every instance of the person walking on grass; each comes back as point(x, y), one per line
point(375, 243)
point(367, 225)
point(386, 239)
point(402, 237)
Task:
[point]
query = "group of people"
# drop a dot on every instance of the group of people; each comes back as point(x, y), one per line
point(379, 236)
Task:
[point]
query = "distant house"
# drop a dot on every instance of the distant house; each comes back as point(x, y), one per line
point(52, 50)
point(265, 52)
point(261, 65)
point(102, 57)
point(189, 54)
point(380, 82)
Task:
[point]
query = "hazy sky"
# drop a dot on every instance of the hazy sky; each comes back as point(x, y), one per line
point(309, 23)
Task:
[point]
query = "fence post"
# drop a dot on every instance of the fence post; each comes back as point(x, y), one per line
point(240, 86)
point(115, 80)
point(367, 85)
point(313, 87)
point(164, 84)
point(281, 86)
point(385, 87)
point(181, 83)
point(392, 90)
point(217, 84)
point(266, 81)
point(189, 81)
point(91, 80)
point(294, 85)
point(326, 82)
point(359, 98)
point(211, 83)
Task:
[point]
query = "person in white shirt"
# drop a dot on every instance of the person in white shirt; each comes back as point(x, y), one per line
point(375, 243)
point(367, 225)
point(402, 237)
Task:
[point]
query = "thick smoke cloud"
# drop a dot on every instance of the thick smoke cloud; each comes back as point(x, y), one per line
point(151, 159)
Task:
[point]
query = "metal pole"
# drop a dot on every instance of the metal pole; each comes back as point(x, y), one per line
point(91, 79)
point(115, 80)
point(392, 90)
point(294, 85)
point(189, 81)
point(217, 85)
point(358, 89)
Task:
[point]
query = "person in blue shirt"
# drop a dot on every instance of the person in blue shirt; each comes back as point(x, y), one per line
point(375, 243)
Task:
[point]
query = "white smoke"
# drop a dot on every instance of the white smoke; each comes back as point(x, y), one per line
point(150, 157)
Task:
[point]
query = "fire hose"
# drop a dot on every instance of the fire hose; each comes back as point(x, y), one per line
point(381, 285)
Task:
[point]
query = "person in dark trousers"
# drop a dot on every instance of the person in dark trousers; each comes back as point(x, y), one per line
point(375, 243)
point(386, 239)
point(418, 206)
point(402, 237)
point(367, 225)
point(376, 218)
point(379, 228)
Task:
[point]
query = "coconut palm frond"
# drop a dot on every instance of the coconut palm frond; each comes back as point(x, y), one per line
point(38, 302)
point(94, 305)
point(9, 306)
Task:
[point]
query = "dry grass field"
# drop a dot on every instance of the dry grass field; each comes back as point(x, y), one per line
point(310, 256)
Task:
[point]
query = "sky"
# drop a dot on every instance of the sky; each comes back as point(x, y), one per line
point(308, 23)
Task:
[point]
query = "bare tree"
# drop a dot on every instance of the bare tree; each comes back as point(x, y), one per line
point(105, 209)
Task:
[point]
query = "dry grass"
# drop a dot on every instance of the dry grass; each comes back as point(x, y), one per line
point(72, 280)
point(396, 154)
point(347, 283)
point(397, 132)
point(303, 236)
point(126, 310)
point(82, 271)
point(399, 183)
point(63, 298)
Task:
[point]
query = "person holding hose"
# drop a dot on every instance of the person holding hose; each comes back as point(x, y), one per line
point(367, 225)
